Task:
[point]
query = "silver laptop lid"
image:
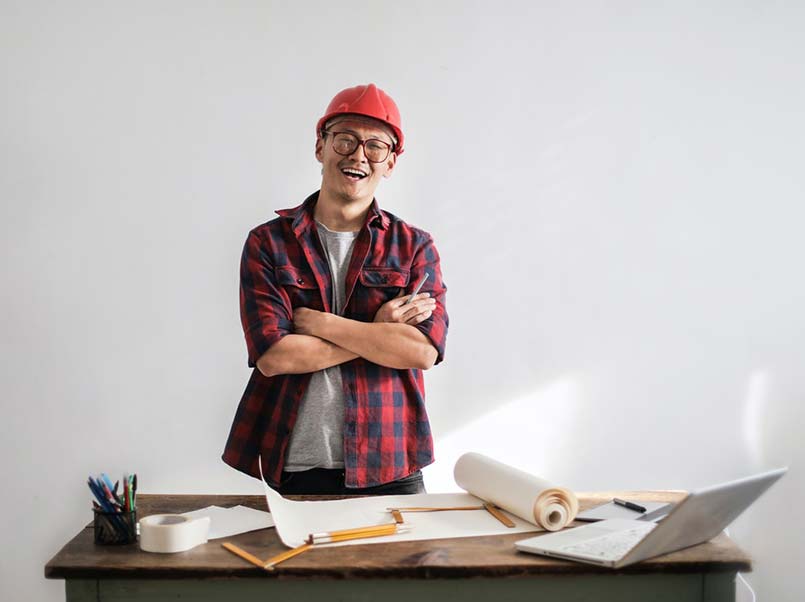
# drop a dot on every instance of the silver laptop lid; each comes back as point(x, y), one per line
point(702, 515)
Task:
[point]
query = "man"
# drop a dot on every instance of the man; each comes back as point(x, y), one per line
point(336, 402)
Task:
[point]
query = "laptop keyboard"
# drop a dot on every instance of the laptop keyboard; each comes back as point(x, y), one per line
point(611, 546)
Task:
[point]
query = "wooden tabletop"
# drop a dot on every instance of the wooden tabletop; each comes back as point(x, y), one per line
point(491, 556)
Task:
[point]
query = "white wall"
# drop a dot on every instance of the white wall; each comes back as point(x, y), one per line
point(615, 189)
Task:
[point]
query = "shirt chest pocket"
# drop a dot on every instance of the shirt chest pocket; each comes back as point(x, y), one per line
point(300, 286)
point(378, 285)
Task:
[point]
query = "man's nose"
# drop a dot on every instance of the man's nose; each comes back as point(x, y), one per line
point(359, 153)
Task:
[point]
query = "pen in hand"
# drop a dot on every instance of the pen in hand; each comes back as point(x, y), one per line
point(629, 505)
point(417, 288)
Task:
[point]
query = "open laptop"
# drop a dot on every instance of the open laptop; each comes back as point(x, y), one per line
point(615, 543)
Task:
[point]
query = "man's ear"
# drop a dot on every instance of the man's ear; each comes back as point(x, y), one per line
point(390, 163)
point(319, 147)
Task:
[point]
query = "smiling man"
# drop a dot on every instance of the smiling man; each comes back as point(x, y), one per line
point(336, 400)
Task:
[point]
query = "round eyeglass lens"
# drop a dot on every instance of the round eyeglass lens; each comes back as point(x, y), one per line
point(375, 150)
point(345, 144)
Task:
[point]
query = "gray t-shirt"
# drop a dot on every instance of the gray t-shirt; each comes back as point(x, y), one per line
point(317, 440)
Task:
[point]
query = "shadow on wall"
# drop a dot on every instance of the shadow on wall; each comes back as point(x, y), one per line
point(774, 412)
point(541, 422)
point(505, 341)
point(755, 405)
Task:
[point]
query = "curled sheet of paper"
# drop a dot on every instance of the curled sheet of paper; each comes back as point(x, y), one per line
point(295, 520)
point(524, 495)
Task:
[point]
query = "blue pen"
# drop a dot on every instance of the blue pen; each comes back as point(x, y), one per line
point(91, 485)
point(107, 480)
point(103, 490)
point(108, 503)
point(112, 488)
point(97, 492)
point(105, 505)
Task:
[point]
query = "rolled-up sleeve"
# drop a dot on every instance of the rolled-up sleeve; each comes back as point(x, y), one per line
point(426, 261)
point(265, 310)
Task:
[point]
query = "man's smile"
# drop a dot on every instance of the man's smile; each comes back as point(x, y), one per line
point(354, 173)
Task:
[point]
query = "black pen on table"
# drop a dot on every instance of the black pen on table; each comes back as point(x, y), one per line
point(417, 288)
point(629, 505)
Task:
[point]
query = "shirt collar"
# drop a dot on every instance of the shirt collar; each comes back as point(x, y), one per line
point(302, 215)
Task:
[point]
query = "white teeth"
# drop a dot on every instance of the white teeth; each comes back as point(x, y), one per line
point(353, 172)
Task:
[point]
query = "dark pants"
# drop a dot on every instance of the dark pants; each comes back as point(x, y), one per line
point(327, 481)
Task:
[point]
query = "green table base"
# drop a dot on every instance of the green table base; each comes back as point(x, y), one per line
point(711, 587)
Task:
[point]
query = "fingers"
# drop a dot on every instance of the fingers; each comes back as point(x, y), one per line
point(419, 318)
point(400, 311)
point(400, 301)
point(418, 311)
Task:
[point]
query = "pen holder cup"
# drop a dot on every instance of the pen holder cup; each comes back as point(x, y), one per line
point(113, 528)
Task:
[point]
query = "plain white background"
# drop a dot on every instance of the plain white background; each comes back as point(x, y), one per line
point(615, 188)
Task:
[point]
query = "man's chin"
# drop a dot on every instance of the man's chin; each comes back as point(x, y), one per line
point(355, 195)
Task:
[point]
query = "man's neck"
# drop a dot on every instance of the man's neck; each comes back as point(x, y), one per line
point(339, 215)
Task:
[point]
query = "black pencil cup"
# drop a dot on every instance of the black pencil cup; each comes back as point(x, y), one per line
point(113, 528)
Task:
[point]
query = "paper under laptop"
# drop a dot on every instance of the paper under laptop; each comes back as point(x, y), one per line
point(616, 543)
point(609, 510)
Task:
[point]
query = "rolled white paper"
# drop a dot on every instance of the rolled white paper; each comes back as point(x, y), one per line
point(531, 498)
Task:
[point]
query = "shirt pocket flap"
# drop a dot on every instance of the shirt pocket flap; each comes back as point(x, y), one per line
point(290, 276)
point(384, 277)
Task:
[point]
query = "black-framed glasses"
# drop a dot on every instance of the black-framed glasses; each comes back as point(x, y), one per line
point(345, 143)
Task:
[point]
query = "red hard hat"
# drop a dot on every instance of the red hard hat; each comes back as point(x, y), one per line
point(370, 101)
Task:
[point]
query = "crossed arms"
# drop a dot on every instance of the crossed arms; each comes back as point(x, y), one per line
point(322, 339)
point(282, 339)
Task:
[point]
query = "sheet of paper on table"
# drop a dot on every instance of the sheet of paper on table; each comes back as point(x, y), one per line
point(295, 520)
point(522, 496)
point(226, 522)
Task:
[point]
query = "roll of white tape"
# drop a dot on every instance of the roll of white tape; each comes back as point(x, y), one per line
point(166, 533)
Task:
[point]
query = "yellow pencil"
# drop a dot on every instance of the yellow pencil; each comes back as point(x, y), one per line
point(315, 539)
point(243, 554)
point(275, 560)
point(358, 533)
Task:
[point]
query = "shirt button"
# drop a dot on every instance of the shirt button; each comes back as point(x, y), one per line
point(385, 278)
point(299, 281)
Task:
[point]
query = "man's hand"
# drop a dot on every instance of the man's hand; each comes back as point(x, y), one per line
point(388, 341)
point(419, 310)
point(306, 321)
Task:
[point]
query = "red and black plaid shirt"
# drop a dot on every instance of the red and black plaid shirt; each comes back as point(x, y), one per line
point(386, 431)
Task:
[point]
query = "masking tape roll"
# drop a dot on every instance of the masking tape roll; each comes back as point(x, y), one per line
point(167, 533)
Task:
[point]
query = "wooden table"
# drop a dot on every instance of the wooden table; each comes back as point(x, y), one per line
point(467, 569)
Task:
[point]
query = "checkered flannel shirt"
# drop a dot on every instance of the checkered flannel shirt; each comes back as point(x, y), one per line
point(386, 431)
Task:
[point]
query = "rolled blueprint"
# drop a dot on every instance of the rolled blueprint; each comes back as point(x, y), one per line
point(525, 495)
